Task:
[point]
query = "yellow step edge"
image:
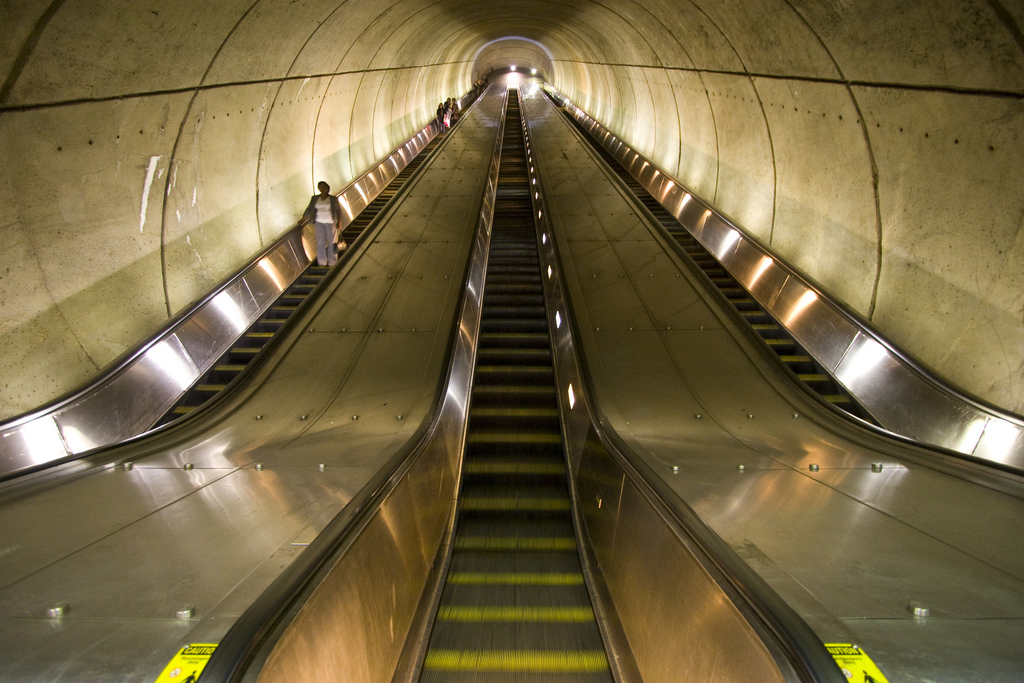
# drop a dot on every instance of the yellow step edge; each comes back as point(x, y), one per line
point(533, 661)
point(537, 504)
point(515, 579)
point(515, 543)
point(516, 613)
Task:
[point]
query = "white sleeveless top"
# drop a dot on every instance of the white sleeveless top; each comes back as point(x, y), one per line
point(323, 211)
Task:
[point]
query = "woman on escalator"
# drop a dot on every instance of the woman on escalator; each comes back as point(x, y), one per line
point(324, 211)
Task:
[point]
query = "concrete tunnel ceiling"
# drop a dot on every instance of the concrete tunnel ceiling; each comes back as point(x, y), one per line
point(149, 149)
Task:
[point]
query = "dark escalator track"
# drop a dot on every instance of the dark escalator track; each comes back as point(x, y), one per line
point(514, 605)
point(246, 348)
point(793, 356)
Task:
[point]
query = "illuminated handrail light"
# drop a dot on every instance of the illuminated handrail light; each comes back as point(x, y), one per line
point(275, 275)
point(230, 309)
point(1000, 439)
point(558, 319)
point(731, 238)
point(77, 441)
point(572, 397)
point(42, 439)
point(766, 262)
point(808, 298)
point(175, 367)
point(668, 187)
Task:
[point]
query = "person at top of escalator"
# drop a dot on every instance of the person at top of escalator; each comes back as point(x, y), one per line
point(324, 211)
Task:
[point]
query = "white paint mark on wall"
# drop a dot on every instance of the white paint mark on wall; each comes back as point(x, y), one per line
point(177, 212)
point(150, 172)
point(193, 196)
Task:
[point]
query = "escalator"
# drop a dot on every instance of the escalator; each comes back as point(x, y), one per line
point(799, 363)
point(514, 601)
point(248, 345)
point(470, 557)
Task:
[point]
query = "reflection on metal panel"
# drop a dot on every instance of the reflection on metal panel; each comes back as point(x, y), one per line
point(1000, 441)
point(889, 387)
point(131, 401)
point(813, 323)
point(33, 443)
point(901, 395)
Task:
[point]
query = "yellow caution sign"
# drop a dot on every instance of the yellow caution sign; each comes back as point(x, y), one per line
point(855, 663)
point(188, 663)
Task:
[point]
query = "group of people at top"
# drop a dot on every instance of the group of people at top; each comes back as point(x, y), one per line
point(445, 111)
point(450, 108)
point(324, 209)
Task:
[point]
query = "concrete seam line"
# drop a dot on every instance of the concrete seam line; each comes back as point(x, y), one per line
point(871, 159)
point(948, 89)
point(171, 176)
point(202, 87)
point(27, 48)
point(746, 72)
point(707, 97)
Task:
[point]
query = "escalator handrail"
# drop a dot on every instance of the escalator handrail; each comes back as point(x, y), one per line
point(38, 439)
point(247, 635)
point(954, 414)
point(801, 646)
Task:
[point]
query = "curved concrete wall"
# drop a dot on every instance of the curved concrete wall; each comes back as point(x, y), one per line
point(877, 147)
point(147, 152)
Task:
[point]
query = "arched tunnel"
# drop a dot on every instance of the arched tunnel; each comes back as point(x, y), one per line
point(151, 150)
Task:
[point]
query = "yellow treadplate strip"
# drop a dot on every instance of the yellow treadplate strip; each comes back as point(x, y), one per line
point(515, 579)
point(537, 661)
point(516, 613)
point(515, 543)
point(528, 504)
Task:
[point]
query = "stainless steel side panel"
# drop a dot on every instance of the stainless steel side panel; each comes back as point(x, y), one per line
point(681, 623)
point(130, 402)
point(814, 323)
point(888, 387)
point(357, 618)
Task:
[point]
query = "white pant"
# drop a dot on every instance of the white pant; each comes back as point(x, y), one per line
point(326, 249)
